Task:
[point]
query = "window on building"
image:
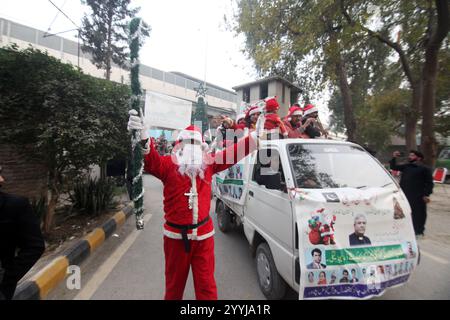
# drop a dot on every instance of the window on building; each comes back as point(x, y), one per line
point(263, 90)
point(246, 95)
point(294, 97)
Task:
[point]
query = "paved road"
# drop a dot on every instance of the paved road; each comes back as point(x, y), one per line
point(131, 264)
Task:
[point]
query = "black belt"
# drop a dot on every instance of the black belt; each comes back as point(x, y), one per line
point(184, 229)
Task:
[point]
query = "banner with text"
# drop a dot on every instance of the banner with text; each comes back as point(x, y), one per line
point(167, 112)
point(354, 243)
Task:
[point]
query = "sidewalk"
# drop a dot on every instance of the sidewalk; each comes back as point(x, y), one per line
point(51, 270)
point(437, 227)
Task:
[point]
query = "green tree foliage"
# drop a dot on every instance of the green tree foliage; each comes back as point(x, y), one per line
point(421, 28)
point(104, 32)
point(199, 114)
point(310, 43)
point(67, 120)
point(443, 95)
point(333, 43)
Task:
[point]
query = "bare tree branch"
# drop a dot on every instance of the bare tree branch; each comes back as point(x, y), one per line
point(403, 58)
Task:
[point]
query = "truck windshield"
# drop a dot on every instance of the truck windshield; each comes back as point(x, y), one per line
point(324, 166)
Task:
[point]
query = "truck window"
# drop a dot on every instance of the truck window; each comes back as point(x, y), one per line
point(268, 170)
point(323, 166)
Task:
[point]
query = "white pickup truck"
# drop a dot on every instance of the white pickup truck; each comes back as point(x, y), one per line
point(322, 216)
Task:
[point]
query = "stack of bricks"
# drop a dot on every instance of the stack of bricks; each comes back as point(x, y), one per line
point(23, 176)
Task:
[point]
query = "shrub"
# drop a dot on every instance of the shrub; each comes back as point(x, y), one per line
point(39, 207)
point(92, 196)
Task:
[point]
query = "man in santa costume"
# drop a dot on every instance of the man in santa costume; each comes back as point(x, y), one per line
point(293, 123)
point(188, 230)
point(315, 128)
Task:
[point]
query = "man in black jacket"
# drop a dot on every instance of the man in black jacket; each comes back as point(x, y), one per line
point(21, 241)
point(417, 183)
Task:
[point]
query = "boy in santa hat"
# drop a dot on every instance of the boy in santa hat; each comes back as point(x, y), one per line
point(188, 230)
point(273, 121)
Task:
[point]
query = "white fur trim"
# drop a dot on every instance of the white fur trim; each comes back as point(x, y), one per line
point(309, 111)
point(297, 113)
point(190, 134)
point(146, 149)
point(240, 116)
point(195, 208)
point(255, 111)
point(175, 235)
point(269, 98)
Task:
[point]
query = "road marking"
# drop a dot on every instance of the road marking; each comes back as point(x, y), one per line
point(105, 269)
point(433, 257)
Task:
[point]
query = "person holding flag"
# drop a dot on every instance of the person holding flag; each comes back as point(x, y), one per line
point(188, 231)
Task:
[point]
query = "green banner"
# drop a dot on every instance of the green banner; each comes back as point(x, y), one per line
point(237, 182)
point(364, 255)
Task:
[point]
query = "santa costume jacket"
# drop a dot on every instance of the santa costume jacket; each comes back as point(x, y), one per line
point(177, 187)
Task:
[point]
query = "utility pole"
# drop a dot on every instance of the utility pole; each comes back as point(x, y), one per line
point(46, 35)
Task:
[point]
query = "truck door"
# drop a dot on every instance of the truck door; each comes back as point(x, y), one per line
point(269, 209)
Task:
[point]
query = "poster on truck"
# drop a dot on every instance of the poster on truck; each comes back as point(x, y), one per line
point(353, 243)
point(230, 183)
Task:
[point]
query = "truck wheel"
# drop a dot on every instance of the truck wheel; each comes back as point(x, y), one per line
point(270, 282)
point(223, 217)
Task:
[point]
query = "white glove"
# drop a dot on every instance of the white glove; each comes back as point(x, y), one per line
point(137, 123)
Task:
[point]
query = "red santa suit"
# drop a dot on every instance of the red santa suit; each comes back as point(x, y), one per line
point(294, 132)
point(273, 120)
point(188, 229)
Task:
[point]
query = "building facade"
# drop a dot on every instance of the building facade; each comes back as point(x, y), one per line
point(252, 92)
point(175, 84)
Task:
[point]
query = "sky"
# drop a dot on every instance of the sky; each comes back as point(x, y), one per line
point(187, 36)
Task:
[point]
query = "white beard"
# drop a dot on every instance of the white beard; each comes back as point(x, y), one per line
point(190, 161)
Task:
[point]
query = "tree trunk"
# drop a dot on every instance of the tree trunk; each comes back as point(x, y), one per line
point(103, 171)
point(428, 140)
point(429, 74)
point(349, 115)
point(412, 116)
point(48, 221)
point(108, 47)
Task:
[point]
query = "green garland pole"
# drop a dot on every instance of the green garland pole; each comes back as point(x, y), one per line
point(138, 30)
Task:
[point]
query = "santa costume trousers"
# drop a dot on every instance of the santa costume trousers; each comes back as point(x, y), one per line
point(179, 262)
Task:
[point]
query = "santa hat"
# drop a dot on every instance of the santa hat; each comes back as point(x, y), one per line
point(271, 104)
point(239, 117)
point(253, 110)
point(308, 109)
point(294, 111)
point(194, 133)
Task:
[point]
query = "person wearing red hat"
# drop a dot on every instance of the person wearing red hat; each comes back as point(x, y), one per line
point(188, 230)
point(272, 119)
point(251, 117)
point(313, 127)
point(292, 122)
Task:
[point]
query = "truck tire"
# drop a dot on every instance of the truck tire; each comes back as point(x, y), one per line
point(223, 217)
point(270, 281)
